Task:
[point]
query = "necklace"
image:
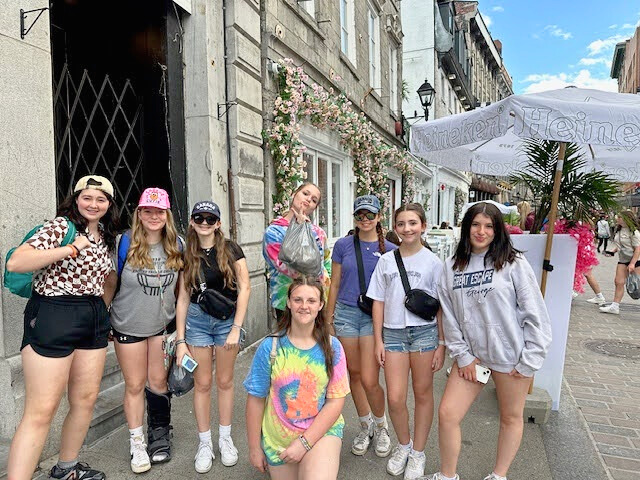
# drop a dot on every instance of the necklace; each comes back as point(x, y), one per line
point(207, 250)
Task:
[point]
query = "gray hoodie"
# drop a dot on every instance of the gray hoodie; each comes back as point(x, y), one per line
point(498, 317)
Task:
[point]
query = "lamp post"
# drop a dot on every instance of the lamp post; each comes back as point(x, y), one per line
point(426, 93)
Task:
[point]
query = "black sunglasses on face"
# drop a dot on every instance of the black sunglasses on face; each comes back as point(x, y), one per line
point(200, 219)
point(360, 217)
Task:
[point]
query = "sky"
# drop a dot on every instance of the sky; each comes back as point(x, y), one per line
point(549, 44)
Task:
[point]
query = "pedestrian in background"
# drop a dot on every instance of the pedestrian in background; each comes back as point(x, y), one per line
point(305, 200)
point(66, 325)
point(602, 231)
point(406, 343)
point(296, 391)
point(626, 240)
point(354, 327)
point(211, 262)
point(494, 319)
point(143, 311)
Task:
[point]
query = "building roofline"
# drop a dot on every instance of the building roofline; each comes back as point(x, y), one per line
point(618, 58)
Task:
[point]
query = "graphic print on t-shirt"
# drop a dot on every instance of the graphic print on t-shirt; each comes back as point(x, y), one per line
point(154, 282)
point(475, 284)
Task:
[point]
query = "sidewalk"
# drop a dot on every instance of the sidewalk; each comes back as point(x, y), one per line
point(602, 369)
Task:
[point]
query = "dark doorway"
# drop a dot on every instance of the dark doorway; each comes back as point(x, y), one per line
point(117, 81)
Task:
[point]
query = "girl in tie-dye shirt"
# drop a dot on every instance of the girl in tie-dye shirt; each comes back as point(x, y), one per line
point(303, 203)
point(297, 390)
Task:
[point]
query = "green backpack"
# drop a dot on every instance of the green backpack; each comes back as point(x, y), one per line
point(22, 283)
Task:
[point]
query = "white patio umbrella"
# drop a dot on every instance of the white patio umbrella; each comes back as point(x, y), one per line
point(606, 124)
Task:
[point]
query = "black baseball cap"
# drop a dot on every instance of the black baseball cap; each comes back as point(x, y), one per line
point(206, 206)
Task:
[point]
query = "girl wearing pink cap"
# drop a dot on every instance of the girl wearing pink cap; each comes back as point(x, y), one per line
point(148, 262)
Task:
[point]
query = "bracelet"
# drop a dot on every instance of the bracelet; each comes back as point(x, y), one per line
point(74, 250)
point(441, 342)
point(239, 327)
point(180, 342)
point(305, 443)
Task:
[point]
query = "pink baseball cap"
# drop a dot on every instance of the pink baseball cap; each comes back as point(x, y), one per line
point(155, 197)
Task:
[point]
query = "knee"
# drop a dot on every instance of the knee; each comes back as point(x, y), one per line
point(202, 385)
point(511, 419)
point(423, 393)
point(370, 385)
point(84, 400)
point(355, 377)
point(447, 415)
point(40, 414)
point(157, 383)
point(224, 382)
point(619, 282)
point(397, 403)
point(134, 388)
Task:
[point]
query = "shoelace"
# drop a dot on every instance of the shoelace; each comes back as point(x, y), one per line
point(227, 442)
point(201, 447)
point(139, 451)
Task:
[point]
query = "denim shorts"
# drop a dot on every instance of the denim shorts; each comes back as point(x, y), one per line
point(203, 330)
point(423, 338)
point(351, 322)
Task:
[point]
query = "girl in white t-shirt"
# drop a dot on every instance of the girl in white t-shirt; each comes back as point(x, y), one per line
point(406, 342)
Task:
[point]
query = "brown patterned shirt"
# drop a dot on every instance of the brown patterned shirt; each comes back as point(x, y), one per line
point(83, 275)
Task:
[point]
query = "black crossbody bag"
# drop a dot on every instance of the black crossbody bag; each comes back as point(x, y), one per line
point(215, 303)
point(364, 303)
point(416, 301)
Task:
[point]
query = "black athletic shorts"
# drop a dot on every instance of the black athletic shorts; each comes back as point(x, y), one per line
point(124, 338)
point(56, 326)
point(627, 264)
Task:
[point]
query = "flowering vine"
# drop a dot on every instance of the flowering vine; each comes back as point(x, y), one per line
point(298, 101)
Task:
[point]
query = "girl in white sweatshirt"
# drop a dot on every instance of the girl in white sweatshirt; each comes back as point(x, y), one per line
point(493, 316)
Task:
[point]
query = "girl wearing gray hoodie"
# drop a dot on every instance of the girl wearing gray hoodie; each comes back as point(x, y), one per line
point(493, 316)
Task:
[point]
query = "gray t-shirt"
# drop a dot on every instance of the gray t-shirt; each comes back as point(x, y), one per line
point(146, 301)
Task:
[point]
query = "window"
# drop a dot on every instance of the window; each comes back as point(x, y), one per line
point(308, 6)
point(374, 48)
point(393, 80)
point(348, 30)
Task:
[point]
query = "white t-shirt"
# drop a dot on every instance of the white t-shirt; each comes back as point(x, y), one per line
point(423, 271)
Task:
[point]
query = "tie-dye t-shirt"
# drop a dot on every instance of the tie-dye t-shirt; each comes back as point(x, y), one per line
point(280, 275)
point(296, 388)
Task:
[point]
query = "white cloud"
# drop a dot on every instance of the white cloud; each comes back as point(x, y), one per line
point(487, 20)
point(628, 26)
point(604, 45)
point(614, 26)
point(556, 31)
point(497, 8)
point(583, 79)
point(595, 61)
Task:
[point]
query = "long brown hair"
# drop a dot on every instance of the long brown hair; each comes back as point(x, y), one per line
point(320, 328)
point(138, 255)
point(193, 257)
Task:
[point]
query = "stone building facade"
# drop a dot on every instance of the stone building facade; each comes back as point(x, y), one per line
point(626, 64)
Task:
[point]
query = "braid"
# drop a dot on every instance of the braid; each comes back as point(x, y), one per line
point(380, 233)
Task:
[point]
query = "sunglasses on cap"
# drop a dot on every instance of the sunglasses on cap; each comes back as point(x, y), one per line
point(361, 217)
point(200, 219)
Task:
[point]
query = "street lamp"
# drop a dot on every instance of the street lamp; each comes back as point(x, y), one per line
point(426, 93)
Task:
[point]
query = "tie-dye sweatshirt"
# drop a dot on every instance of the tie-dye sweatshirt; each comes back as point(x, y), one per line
point(280, 275)
point(296, 387)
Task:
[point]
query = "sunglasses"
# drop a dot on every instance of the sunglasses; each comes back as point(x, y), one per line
point(361, 217)
point(200, 219)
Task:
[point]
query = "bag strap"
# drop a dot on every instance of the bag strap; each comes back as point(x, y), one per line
point(274, 350)
point(363, 286)
point(403, 272)
point(71, 233)
point(123, 250)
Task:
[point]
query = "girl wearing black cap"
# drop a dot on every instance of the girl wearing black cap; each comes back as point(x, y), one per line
point(211, 262)
point(66, 325)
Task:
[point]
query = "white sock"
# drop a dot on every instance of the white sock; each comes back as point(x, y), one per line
point(366, 420)
point(498, 477)
point(442, 477)
point(599, 295)
point(224, 430)
point(205, 437)
point(408, 447)
point(381, 421)
point(615, 305)
point(136, 432)
point(415, 453)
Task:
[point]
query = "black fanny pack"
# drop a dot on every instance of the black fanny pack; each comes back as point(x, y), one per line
point(215, 303)
point(417, 301)
point(364, 303)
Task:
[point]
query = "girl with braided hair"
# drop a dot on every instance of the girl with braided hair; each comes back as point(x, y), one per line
point(354, 327)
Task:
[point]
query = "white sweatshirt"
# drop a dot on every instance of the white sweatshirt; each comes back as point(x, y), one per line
point(498, 317)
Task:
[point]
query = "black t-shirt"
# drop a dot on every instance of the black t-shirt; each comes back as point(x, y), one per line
point(213, 276)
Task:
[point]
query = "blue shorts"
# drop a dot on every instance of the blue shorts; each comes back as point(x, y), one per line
point(351, 322)
point(203, 330)
point(423, 338)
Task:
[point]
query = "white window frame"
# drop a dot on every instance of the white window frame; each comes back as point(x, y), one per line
point(373, 26)
point(393, 79)
point(348, 30)
point(309, 6)
point(394, 201)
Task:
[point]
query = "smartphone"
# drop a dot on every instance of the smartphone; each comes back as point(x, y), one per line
point(188, 363)
point(482, 374)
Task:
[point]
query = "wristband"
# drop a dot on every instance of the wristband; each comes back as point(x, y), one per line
point(441, 342)
point(74, 250)
point(180, 342)
point(305, 443)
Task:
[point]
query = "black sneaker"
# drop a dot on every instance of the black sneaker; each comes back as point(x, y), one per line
point(80, 471)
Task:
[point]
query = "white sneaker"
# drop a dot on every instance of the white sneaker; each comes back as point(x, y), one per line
point(398, 461)
point(613, 309)
point(437, 476)
point(228, 451)
point(415, 466)
point(204, 457)
point(362, 441)
point(493, 476)
point(382, 442)
point(598, 299)
point(140, 461)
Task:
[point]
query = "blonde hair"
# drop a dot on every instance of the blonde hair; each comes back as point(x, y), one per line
point(193, 258)
point(138, 255)
point(524, 209)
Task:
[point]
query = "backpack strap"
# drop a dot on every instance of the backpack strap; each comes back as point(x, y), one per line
point(274, 350)
point(71, 233)
point(356, 243)
point(123, 250)
point(403, 272)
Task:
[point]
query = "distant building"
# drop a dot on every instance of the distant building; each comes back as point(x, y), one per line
point(626, 64)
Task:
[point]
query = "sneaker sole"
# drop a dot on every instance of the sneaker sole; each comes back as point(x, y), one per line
point(359, 453)
point(382, 454)
point(141, 468)
point(204, 470)
point(227, 464)
point(396, 474)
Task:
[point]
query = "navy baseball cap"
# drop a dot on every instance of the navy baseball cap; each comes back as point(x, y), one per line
point(206, 206)
point(367, 202)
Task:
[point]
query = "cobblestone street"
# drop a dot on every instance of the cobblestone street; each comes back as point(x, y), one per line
point(602, 369)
